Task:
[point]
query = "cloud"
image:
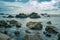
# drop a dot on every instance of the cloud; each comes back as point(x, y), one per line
point(31, 5)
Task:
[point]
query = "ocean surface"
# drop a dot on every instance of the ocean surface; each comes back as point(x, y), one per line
point(54, 18)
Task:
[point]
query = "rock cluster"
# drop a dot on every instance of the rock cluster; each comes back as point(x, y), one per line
point(4, 24)
point(21, 15)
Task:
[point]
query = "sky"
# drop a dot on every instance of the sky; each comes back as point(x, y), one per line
point(50, 6)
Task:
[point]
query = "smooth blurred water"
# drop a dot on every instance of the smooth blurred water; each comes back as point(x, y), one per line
point(54, 19)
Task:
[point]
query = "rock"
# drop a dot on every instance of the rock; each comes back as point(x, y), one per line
point(10, 16)
point(1, 13)
point(49, 22)
point(21, 15)
point(34, 15)
point(42, 14)
point(27, 31)
point(47, 34)
point(4, 24)
point(5, 32)
point(32, 37)
point(51, 29)
point(4, 37)
point(48, 15)
point(34, 25)
point(59, 37)
point(9, 39)
point(16, 32)
point(14, 22)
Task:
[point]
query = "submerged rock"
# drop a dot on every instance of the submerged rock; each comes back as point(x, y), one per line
point(58, 36)
point(27, 31)
point(48, 15)
point(16, 32)
point(47, 34)
point(34, 25)
point(51, 29)
point(10, 16)
point(34, 15)
point(32, 37)
point(49, 22)
point(21, 15)
point(14, 22)
point(1, 13)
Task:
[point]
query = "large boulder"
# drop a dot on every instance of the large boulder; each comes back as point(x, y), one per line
point(4, 24)
point(32, 37)
point(16, 23)
point(5, 37)
point(21, 15)
point(34, 15)
point(34, 25)
point(51, 29)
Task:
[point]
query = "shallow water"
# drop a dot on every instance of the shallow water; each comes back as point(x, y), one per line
point(54, 19)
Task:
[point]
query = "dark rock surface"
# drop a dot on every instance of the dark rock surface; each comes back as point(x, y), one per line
point(4, 24)
point(32, 37)
point(34, 25)
point(16, 32)
point(34, 15)
point(21, 15)
point(16, 23)
point(10, 16)
point(51, 29)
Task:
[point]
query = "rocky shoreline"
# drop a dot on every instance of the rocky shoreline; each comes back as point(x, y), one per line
point(30, 25)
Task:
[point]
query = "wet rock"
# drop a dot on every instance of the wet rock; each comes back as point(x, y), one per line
point(10, 16)
point(4, 24)
point(14, 22)
point(42, 14)
point(4, 16)
point(51, 29)
point(16, 32)
point(4, 37)
point(1, 13)
point(32, 37)
point(59, 37)
point(47, 34)
point(34, 25)
point(27, 31)
point(49, 22)
point(34, 15)
point(21, 15)
point(9, 39)
point(5, 32)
